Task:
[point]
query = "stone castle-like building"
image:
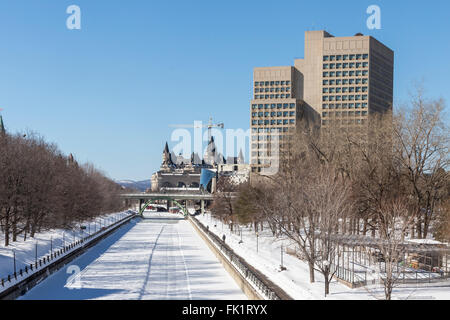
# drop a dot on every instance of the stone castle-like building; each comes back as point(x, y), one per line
point(177, 172)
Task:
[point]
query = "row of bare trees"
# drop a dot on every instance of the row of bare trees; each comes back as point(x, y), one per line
point(388, 181)
point(41, 189)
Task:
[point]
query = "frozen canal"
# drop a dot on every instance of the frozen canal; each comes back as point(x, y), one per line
point(157, 258)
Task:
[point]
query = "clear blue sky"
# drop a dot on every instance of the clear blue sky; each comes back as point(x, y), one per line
point(108, 92)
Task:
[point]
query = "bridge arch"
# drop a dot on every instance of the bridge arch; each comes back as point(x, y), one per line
point(151, 201)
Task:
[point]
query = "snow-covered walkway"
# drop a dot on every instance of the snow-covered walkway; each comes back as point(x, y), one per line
point(158, 258)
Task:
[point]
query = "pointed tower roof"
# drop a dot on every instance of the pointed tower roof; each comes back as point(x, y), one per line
point(2, 127)
point(166, 148)
point(241, 159)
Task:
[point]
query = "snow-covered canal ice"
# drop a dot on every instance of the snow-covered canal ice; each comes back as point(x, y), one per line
point(158, 258)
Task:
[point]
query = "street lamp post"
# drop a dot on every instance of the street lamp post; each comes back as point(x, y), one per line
point(14, 252)
point(257, 245)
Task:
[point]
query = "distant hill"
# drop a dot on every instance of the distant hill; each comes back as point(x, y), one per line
point(138, 185)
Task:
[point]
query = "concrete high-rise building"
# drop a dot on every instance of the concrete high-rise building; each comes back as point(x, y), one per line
point(275, 109)
point(340, 80)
